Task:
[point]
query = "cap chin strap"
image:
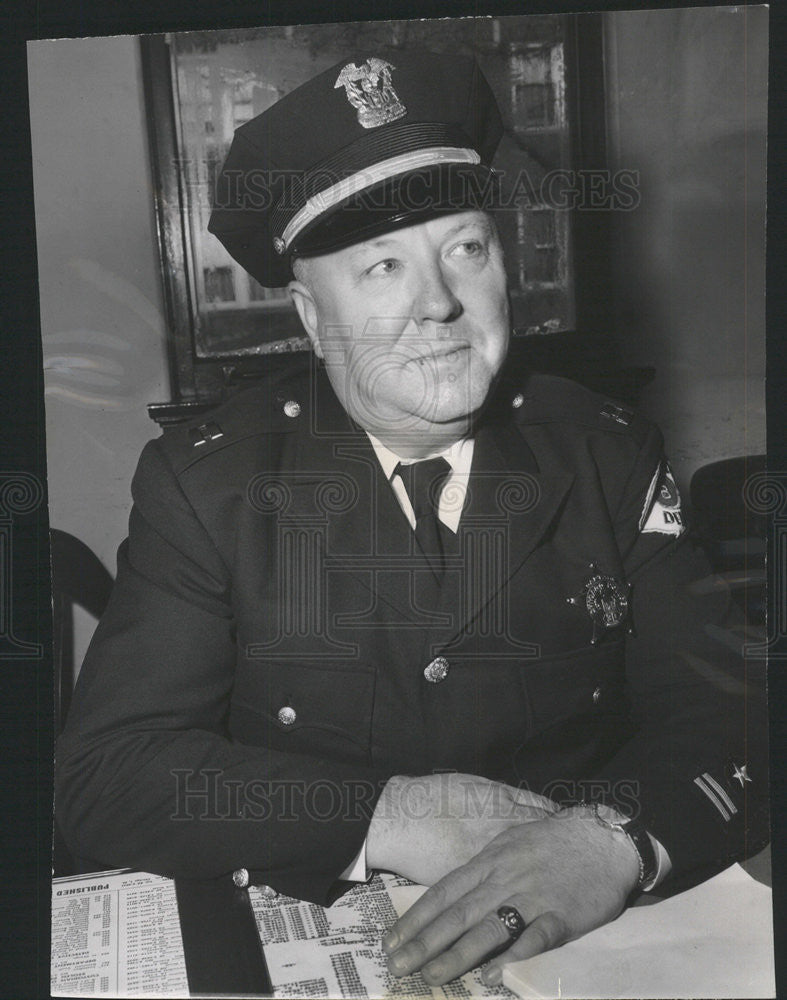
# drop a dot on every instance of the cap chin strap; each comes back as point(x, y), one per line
point(323, 201)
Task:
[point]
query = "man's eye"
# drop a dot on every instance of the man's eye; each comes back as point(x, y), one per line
point(468, 248)
point(387, 266)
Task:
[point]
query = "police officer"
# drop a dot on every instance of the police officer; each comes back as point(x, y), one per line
point(410, 611)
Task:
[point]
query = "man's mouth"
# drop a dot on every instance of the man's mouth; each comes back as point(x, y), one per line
point(440, 353)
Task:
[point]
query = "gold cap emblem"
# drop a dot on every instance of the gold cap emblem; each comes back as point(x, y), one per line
point(369, 89)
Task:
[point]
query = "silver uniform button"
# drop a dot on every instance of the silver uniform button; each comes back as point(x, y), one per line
point(291, 408)
point(241, 878)
point(517, 401)
point(597, 696)
point(286, 715)
point(267, 892)
point(437, 670)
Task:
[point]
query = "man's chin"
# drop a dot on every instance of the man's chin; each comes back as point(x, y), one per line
point(459, 402)
point(445, 406)
point(442, 420)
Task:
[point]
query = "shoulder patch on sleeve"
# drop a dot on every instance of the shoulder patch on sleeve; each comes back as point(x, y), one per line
point(662, 510)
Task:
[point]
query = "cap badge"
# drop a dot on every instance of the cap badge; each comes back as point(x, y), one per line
point(369, 90)
point(606, 600)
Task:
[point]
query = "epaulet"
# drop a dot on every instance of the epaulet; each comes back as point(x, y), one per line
point(552, 399)
point(270, 406)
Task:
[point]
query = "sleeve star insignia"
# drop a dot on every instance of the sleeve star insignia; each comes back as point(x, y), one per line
point(740, 774)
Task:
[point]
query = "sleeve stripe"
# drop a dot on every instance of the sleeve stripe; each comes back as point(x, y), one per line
point(721, 793)
point(712, 796)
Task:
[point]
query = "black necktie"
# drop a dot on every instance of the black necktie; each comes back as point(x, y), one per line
point(424, 482)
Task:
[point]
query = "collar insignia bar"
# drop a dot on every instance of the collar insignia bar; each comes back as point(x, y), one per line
point(204, 433)
point(606, 601)
point(370, 92)
point(617, 413)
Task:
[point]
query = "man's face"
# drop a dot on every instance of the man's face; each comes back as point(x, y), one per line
point(413, 325)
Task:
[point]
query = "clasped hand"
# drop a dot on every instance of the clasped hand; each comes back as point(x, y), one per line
point(564, 872)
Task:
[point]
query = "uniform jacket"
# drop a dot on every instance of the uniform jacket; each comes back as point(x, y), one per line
point(276, 646)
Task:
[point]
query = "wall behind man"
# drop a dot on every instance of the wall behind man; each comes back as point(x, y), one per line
point(687, 109)
point(102, 319)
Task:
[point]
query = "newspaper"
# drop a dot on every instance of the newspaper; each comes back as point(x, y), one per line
point(116, 934)
point(315, 952)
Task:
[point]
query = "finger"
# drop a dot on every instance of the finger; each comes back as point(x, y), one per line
point(487, 937)
point(544, 933)
point(443, 931)
point(443, 894)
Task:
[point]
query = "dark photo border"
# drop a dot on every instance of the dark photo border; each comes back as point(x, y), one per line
point(27, 700)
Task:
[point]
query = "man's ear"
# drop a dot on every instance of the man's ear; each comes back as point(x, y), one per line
point(307, 311)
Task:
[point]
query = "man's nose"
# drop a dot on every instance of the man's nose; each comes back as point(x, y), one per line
point(436, 299)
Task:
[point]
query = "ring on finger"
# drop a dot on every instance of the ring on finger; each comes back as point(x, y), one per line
point(512, 920)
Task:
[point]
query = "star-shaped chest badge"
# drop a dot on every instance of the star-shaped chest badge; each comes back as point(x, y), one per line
point(606, 600)
point(740, 774)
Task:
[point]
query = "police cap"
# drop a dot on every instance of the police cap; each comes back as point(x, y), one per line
point(380, 140)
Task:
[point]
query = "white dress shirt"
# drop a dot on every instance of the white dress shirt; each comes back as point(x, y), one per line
point(452, 496)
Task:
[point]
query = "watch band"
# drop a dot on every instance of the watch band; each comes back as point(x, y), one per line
point(643, 845)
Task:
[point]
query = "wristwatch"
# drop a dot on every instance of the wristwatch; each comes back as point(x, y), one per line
point(643, 845)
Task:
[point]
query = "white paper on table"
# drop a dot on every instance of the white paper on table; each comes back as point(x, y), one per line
point(116, 934)
point(715, 940)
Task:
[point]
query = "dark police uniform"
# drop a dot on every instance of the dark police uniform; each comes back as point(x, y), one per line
point(273, 622)
point(276, 646)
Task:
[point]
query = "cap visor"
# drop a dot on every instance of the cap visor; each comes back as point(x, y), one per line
point(397, 202)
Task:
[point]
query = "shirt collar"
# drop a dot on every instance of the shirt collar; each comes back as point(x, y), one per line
point(459, 456)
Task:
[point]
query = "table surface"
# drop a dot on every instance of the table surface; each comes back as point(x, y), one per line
point(221, 944)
